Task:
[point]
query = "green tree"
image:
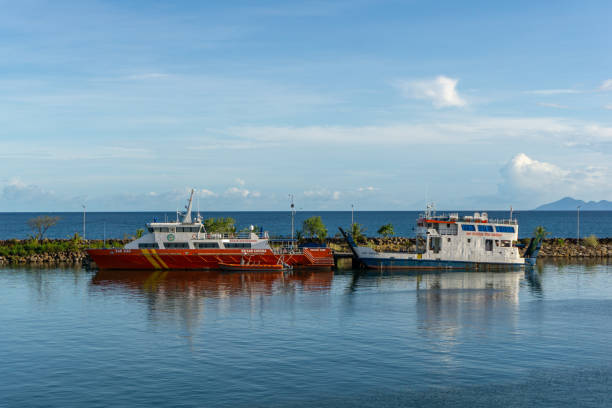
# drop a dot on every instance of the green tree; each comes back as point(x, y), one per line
point(41, 224)
point(220, 225)
point(357, 231)
point(540, 232)
point(386, 230)
point(314, 227)
point(139, 233)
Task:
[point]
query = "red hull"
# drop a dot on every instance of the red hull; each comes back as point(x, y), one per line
point(150, 259)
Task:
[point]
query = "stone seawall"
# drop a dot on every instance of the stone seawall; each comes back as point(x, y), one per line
point(49, 252)
point(52, 252)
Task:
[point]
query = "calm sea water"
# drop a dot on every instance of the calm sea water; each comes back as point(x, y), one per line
point(76, 338)
point(117, 224)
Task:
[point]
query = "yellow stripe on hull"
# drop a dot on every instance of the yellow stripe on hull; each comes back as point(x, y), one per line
point(158, 258)
point(150, 258)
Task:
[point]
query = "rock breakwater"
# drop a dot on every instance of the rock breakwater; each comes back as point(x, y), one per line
point(49, 252)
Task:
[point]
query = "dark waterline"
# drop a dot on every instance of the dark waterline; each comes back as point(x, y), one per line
point(119, 224)
point(73, 338)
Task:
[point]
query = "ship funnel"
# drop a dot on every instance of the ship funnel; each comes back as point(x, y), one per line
point(187, 217)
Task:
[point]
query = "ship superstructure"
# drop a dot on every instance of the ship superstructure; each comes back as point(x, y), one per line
point(450, 241)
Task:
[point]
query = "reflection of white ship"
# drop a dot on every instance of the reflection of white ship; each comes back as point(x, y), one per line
point(452, 302)
point(473, 285)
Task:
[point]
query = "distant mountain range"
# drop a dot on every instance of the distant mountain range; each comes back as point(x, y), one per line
point(570, 204)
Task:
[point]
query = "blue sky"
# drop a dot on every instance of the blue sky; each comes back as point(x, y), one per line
point(380, 104)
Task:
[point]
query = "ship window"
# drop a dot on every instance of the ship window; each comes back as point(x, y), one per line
point(237, 245)
point(503, 228)
point(176, 245)
point(485, 228)
point(447, 239)
point(146, 245)
point(467, 227)
point(469, 240)
point(163, 229)
point(489, 245)
point(505, 244)
point(206, 245)
point(151, 229)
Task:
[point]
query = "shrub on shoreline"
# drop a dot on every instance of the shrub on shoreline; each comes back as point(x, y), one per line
point(591, 241)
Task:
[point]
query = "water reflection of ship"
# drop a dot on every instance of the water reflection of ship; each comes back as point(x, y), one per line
point(212, 284)
point(450, 302)
point(180, 297)
point(477, 285)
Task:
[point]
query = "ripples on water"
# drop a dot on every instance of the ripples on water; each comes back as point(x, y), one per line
point(77, 338)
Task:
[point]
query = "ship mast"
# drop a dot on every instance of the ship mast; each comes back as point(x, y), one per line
point(187, 217)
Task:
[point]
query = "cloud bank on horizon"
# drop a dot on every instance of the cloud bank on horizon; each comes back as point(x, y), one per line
point(126, 107)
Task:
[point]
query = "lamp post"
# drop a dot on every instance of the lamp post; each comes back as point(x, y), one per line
point(578, 224)
point(352, 215)
point(84, 210)
point(292, 219)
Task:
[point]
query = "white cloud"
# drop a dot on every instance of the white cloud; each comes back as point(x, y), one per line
point(240, 181)
point(368, 188)
point(226, 145)
point(442, 91)
point(17, 190)
point(477, 129)
point(552, 105)
point(526, 180)
point(147, 75)
point(238, 191)
point(316, 193)
point(206, 193)
point(606, 85)
point(553, 91)
point(322, 194)
point(525, 174)
point(53, 151)
point(608, 107)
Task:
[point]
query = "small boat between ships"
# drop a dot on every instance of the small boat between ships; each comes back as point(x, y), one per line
point(186, 244)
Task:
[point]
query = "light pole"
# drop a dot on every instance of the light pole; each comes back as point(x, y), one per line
point(578, 222)
point(292, 219)
point(84, 210)
point(352, 215)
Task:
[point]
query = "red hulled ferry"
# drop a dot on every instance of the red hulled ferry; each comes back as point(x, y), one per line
point(186, 244)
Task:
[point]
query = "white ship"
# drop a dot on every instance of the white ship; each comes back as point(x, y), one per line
point(451, 242)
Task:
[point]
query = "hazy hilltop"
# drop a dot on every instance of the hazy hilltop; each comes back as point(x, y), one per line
point(570, 204)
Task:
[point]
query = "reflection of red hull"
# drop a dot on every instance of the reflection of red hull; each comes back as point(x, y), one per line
point(251, 267)
point(317, 258)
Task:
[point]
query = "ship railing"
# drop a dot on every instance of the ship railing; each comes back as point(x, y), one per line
point(238, 235)
point(503, 221)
